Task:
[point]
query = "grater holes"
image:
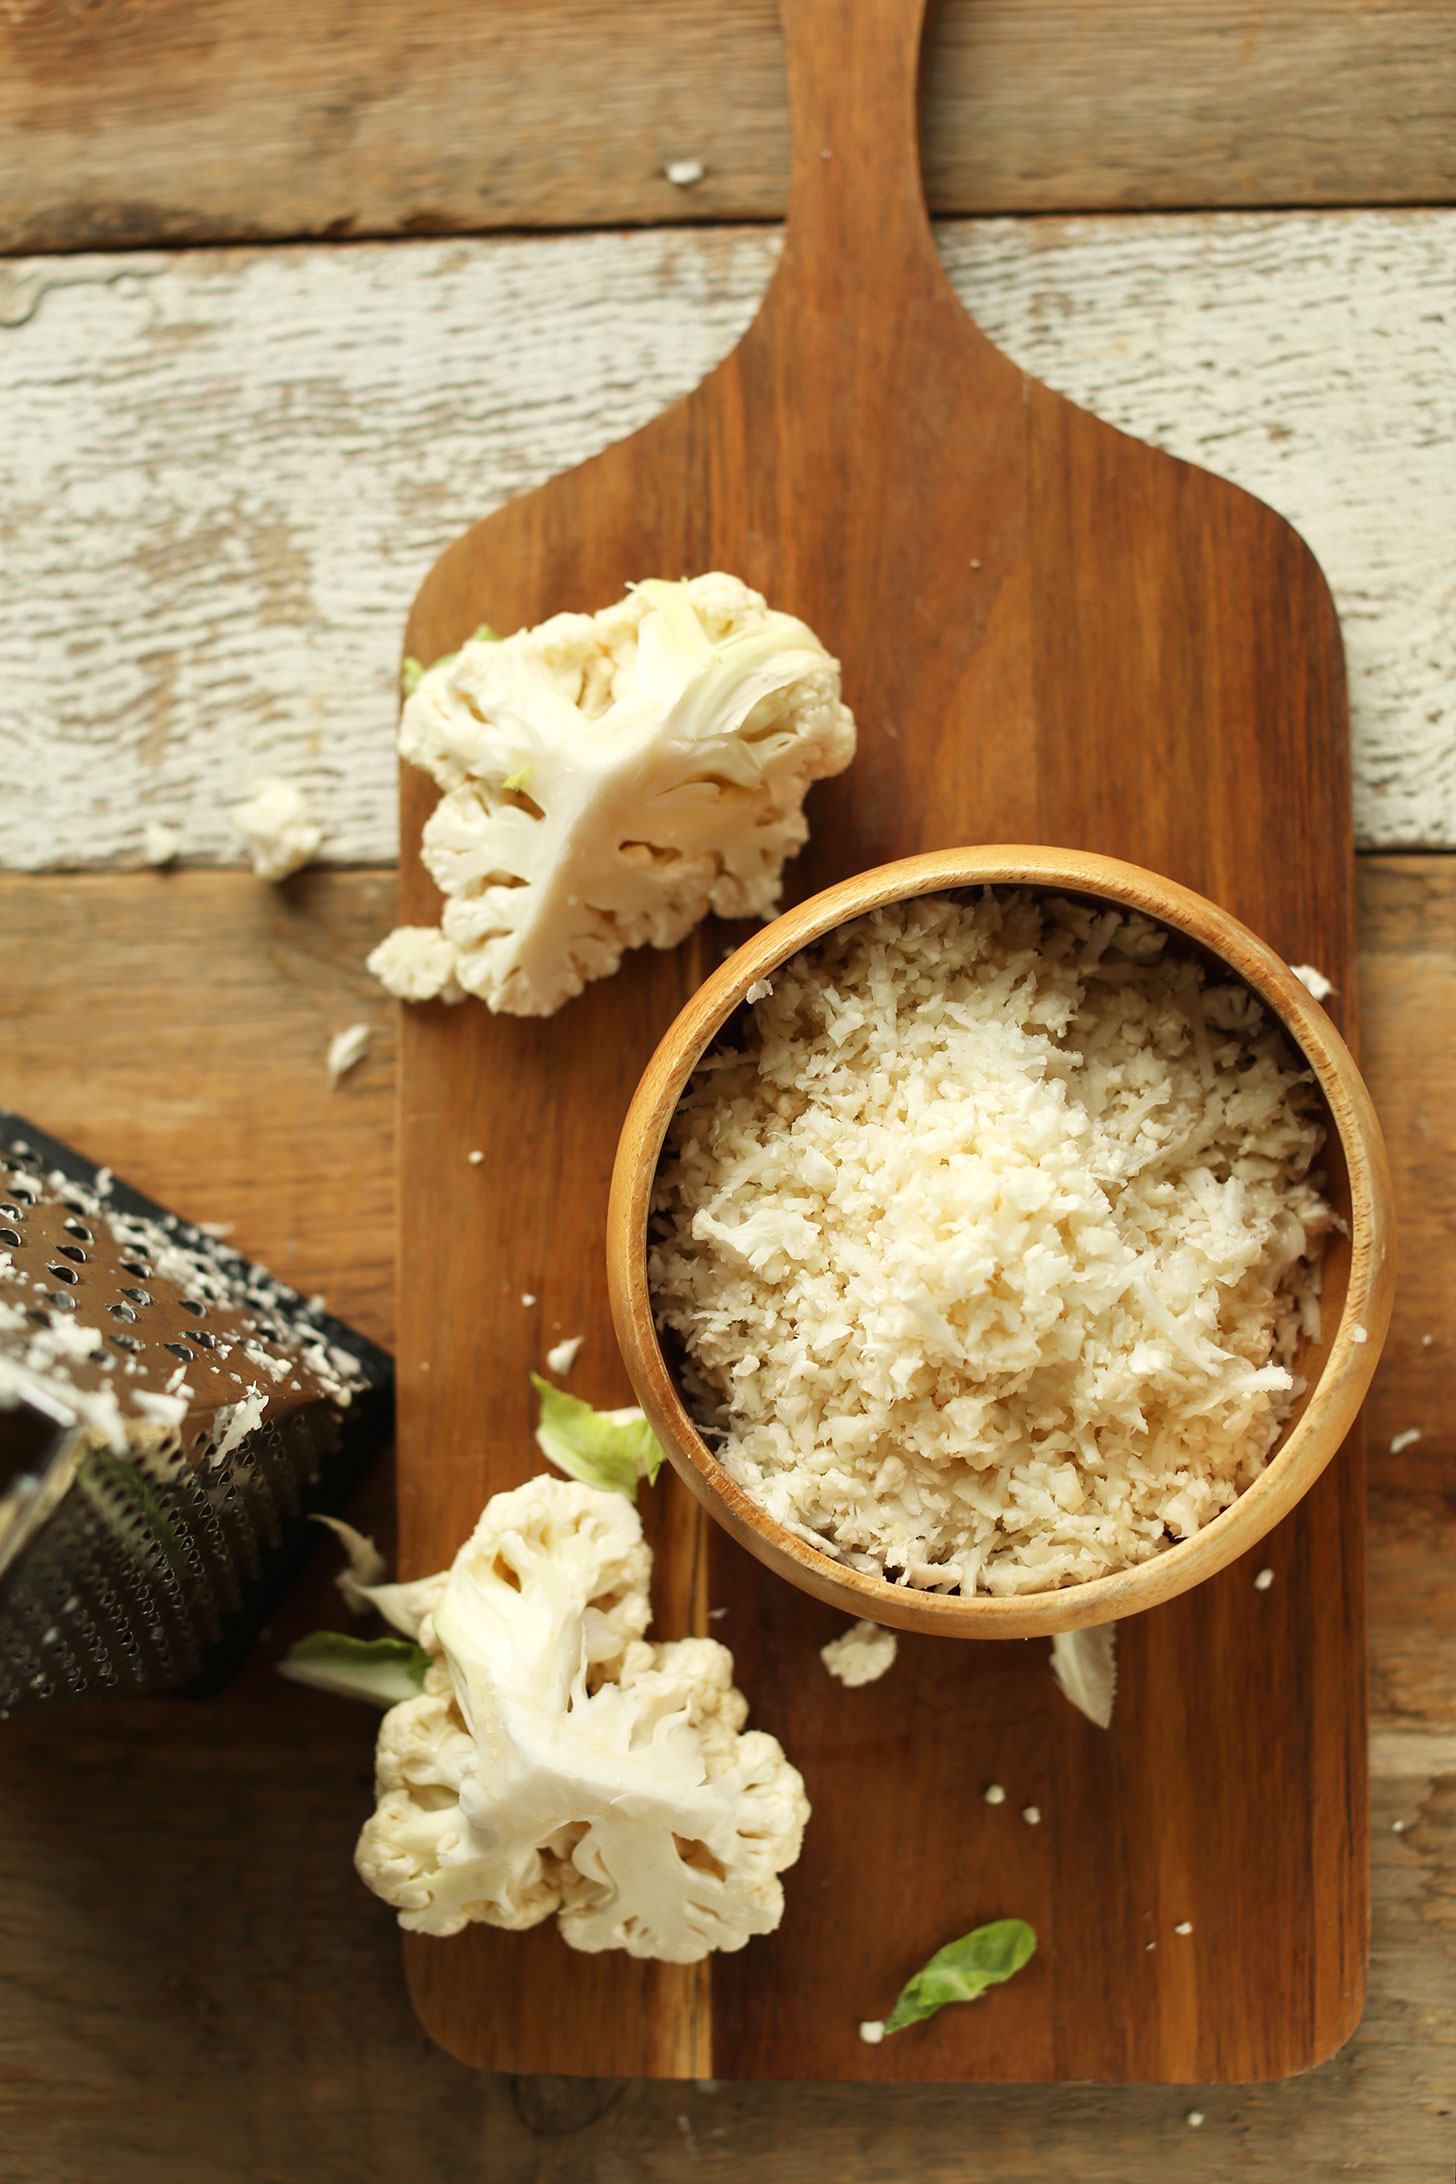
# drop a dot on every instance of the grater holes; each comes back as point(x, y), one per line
point(201, 1337)
point(122, 1312)
point(124, 1342)
point(64, 1273)
point(9, 1208)
point(36, 1317)
point(190, 1304)
point(74, 1253)
point(136, 1266)
point(78, 1228)
point(11, 1236)
point(179, 1349)
point(138, 1296)
point(61, 1298)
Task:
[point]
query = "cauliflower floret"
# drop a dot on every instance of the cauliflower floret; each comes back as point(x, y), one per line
point(277, 828)
point(556, 1761)
point(417, 962)
point(608, 780)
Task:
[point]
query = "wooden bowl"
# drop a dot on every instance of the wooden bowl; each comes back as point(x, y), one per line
point(1358, 1279)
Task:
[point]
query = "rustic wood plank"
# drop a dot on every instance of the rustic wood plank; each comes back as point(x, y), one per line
point(179, 123)
point(194, 1983)
point(224, 472)
point(1113, 651)
point(175, 1025)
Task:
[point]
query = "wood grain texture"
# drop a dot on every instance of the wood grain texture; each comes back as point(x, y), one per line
point(223, 473)
point(240, 2015)
point(184, 123)
point(175, 1026)
point(1050, 633)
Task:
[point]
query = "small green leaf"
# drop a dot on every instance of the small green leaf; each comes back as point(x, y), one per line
point(517, 780)
point(964, 1969)
point(609, 1449)
point(384, 1670)
point(410, 672)
point(485, 635)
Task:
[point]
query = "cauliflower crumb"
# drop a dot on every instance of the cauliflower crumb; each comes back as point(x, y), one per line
point(1194, 2118)
point(346, 1050)
point(994, 1794)
point(1407, 1439)
point(759, 990)
point(1312, 980)
point(528, 1298)
point(683, 173)
point(160, 842)
point(1184, 1926)
point(163, 1410)
point(476, 1158)
point(1263, 1581)
point(1359, 1333)
point(608, 780)
point(1031, 1814)
point(1084, 1663)
point(872, 2031)
point(1021, 1212)
point(861, 1654)
point(277, 830)
point(562, 1355)
point(417, 963)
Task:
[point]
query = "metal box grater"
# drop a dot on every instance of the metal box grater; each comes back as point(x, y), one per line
point(169, 1416)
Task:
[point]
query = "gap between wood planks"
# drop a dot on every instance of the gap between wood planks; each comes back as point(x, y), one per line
point(124, 127)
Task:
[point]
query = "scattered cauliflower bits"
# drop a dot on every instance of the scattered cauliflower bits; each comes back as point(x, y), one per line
point(608, 780)
point(991, 1248)
point(555, 1762)
point(861, 1654)
point(278, 830)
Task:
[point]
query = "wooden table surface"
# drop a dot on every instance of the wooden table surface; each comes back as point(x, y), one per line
point(222, 471)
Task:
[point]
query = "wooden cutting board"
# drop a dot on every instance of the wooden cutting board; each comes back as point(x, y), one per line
point(1049, 633)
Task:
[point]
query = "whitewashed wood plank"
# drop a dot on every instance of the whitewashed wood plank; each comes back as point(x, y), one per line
point(1312, 359)
point(223, 473)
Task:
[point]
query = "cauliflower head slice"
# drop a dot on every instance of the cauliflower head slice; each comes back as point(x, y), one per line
point(609, 779)
point(556, 1762)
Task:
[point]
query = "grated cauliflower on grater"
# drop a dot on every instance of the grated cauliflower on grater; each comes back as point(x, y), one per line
point(991, 1248)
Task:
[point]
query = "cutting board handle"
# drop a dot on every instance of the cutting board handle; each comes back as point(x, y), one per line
point(857, 217)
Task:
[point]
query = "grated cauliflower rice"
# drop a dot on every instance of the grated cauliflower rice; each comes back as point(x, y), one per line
point(990, 1249)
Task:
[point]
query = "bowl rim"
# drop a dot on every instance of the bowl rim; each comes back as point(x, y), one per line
point(1332, 1405)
